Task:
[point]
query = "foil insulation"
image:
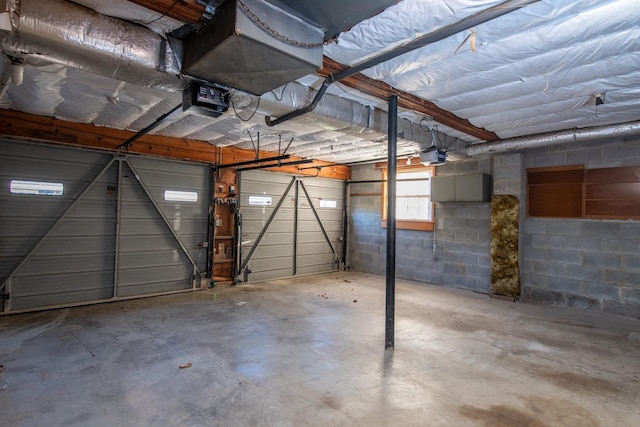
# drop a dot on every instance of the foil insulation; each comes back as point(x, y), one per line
point(66, 33)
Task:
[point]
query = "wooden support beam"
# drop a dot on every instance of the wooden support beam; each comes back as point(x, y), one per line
point(382, 90)
point(18, 125)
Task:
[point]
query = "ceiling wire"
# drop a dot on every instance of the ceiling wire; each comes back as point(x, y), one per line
point(281, 94)
point(161, 16)
point(252, 114)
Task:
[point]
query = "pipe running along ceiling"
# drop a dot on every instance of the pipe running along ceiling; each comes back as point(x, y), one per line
point(535, 70)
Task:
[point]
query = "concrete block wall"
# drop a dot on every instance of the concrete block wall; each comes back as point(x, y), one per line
point(584, 263)
point(577, 263)
point(366, 238)
point(461, 257)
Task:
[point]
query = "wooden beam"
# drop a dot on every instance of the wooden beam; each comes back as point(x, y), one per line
point(187, 11)
point(382, 90)
point(18, 125)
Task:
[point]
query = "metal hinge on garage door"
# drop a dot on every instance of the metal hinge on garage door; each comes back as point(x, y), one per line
point(288, 225)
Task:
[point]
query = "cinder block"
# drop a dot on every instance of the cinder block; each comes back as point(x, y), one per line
point(481, 274)
point(630, 230)
point(413, 243)
point(527, 266)
point(478, 248)
point(550, 159)
point(508, 160)
point(631, 262)
point(545, 296)
point(564, 285)
point(588, 244)
point(585, 156)
point(629, 156)
point(623, 309)
point(464, 282)
point(601, 260)
point(467, 259)
point(556, 269)
point(583, 272)
point(374, 249)
point(508, 187)
point(444, 257)
point(631, 295)
point(467, 235)
point(525, 294)
point(547, 241)
point(600, 229)
point(454, 247)
point(535, 254)
point(507, 173)
point(455, 269)
point(534, 280)
point(469, 166)
point(583, 303)
point(483, 260)
point(600, 290)
point(566, 256)
point(563, 227)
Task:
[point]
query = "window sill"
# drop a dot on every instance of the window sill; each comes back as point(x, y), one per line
point(410, 225)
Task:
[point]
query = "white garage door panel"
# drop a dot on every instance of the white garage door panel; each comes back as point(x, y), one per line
point(85, 257)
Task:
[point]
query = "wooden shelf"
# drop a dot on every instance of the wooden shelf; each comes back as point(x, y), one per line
point(222, 237)
point(222, 261)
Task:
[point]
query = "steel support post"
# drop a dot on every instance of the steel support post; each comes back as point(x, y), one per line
point(389, 331)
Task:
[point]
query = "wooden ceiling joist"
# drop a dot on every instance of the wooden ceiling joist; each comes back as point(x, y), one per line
point(382, 90)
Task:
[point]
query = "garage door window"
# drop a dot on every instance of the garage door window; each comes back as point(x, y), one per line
point(39, 188)
point(180, 196)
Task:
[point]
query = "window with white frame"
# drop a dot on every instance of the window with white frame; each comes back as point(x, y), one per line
point(414, 209)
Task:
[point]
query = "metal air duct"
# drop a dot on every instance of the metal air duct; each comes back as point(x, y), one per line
point(574, 135)
point(66, 33)
point(253, 46)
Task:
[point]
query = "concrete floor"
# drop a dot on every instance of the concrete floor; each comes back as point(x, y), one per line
point(310, 351)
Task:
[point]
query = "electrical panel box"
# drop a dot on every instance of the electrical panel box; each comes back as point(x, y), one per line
point(475, 187)
point(443, 188)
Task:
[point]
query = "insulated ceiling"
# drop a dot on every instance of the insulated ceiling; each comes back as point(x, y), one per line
point(535, 70)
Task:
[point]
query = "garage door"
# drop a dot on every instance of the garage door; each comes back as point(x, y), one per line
point(81, 226)
point(289, 225)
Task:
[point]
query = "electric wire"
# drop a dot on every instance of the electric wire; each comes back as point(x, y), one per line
point(281, 94)
point(161, 16)
point(233, 105)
